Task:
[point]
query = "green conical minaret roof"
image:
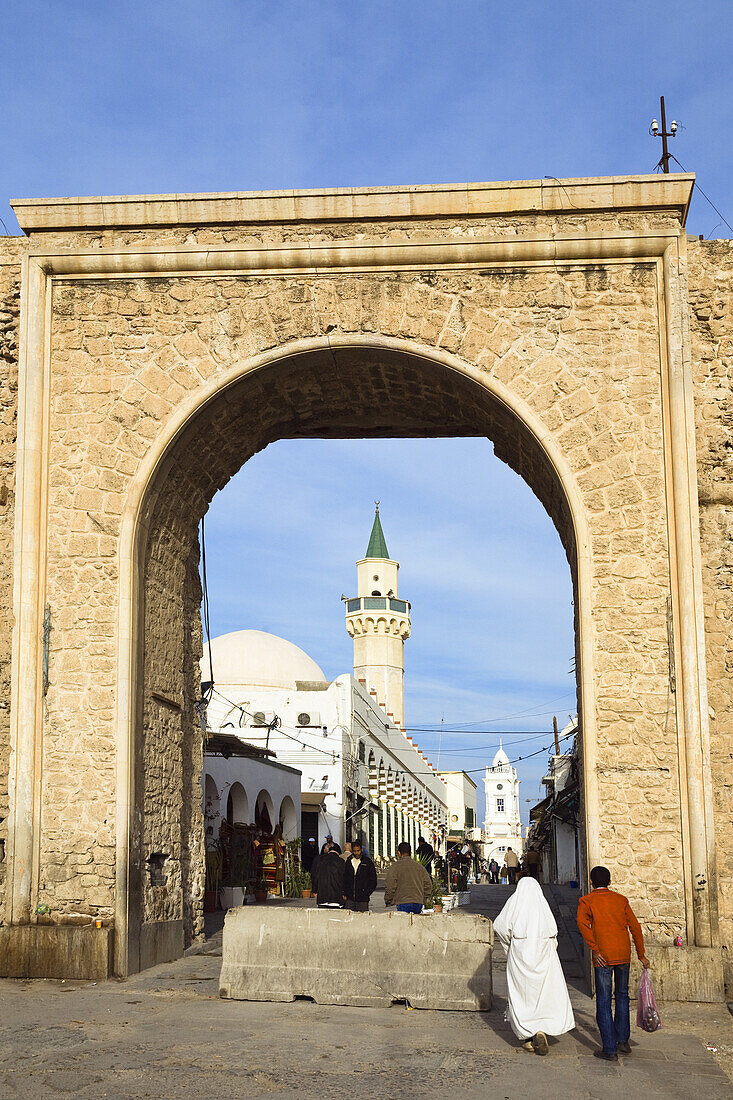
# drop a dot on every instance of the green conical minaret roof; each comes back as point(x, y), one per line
point(377, 547)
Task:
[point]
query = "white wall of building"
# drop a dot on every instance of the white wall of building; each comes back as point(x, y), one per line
point(340, 739)
point(250, 781)
point(566, 862)
point(461, 791)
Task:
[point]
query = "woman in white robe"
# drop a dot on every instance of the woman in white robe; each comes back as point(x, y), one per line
point(539, 1004)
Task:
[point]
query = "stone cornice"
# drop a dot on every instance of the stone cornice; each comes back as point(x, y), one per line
point(325, 258)
point(597, 194)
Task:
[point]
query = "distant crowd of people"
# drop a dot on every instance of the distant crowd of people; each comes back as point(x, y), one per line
point(347, 880)
point(508, 872)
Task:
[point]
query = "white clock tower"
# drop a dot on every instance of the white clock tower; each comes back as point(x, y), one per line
point(502, 823)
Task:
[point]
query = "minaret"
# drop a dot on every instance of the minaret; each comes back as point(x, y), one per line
point(379, 622)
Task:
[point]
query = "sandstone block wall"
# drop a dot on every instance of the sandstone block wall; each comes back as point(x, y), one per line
point(579, 346)
point(11, 253)
point(711, 326)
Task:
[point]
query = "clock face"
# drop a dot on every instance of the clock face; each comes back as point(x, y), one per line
point(500, 786)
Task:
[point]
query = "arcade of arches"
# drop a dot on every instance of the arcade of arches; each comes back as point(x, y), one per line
point(162, 342)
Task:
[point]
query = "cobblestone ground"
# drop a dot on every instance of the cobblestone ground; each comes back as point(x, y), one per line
point(165, 1034)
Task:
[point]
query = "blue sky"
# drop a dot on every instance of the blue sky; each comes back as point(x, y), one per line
point(480, 561)
point(180, 96)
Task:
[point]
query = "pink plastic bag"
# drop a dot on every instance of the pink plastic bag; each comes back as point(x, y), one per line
point(647, 1016)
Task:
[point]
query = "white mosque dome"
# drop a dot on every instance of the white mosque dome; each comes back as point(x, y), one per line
point(501, 759)
point(257, 659)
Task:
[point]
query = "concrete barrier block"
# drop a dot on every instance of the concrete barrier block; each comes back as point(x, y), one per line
point(337, 957)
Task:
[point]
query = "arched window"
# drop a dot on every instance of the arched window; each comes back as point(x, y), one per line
point(288, 818)
point(264, 811)
point(237, 805)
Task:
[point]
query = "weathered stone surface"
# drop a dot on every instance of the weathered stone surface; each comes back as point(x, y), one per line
point(370, 959)
point(682, 973)
point(711, 325)
point(11, 253)
point(56, 951)
point(575, 345)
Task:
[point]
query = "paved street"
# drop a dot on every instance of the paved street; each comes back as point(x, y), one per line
point(166, 1035)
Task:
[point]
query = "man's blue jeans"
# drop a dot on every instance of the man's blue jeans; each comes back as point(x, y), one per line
point(615, 1027)
point(410, 907)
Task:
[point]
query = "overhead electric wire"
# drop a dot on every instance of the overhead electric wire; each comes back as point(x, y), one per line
point(459, 727)
point(723, 219)
point(487, 748)
point(433, 772)
point(205, 606)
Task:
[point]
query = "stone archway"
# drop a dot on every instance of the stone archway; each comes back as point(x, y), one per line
point(155, 359)
point(304, 389)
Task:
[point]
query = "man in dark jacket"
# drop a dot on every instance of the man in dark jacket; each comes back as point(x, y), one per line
point(328, 844)
point(310, 851)
point(327, 875)
point(425, 853)
point(360, 879)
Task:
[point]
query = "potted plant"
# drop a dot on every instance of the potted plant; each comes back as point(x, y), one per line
point(231, 896)
point(436, 896)
point(260, 891)
point(306, 884)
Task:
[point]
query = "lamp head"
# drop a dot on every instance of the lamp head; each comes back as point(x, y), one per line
point(655, 126)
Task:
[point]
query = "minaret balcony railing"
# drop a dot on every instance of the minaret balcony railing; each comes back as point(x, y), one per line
point(376, 603)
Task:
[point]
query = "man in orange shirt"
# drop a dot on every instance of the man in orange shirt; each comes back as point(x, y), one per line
point(605, 919)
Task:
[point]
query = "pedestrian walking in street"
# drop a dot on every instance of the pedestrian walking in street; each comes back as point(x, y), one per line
point(425, 853)
point(605, 920)
point(532, 863)
point(493, 871)
point(346, 854)
point(329, 843)
point(407, 884)
point(309, 853)
point(511, 860)
point(538, 1002)
point(360, 879)
point(327, 876)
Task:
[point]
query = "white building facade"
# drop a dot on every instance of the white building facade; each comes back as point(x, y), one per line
point(362, 776)
point(502, 823)
point(244, 786)
point(461, 792)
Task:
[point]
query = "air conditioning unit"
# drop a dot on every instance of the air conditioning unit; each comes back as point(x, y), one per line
point(261, 718)
point(309, 718)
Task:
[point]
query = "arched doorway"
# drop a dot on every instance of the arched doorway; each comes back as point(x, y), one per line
point(429, 395)
point(288, 818)
point(265, 812)
point(237, 805)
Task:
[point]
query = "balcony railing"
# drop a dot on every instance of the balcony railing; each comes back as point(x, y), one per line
point(376, 603)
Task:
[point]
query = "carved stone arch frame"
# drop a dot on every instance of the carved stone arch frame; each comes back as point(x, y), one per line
point(42, 266)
